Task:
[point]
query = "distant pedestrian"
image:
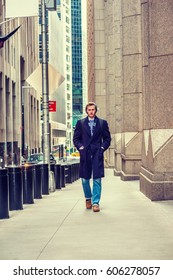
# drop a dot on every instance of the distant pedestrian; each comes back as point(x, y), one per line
point(92, 138)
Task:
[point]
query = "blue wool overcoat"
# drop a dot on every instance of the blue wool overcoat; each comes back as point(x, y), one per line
point(91, 157)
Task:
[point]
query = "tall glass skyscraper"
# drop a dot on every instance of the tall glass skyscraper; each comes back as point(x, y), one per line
point(64, 15)
point(77, 88)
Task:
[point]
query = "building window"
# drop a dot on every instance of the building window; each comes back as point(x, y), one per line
point(67, 39)
point(67, 49)
point(67, 11)
point(67, 58)
point(68, 68)
point(68, 77)
point(67, 20)
point(67, 29)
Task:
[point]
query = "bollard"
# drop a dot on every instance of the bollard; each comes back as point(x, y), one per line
point(4, 194)
point(73, 172)
point(58, 179)
point(52, 186)
point(77, 171)
point(66, 173)
point(15, 188)
point(52, 167)
point(69, 173)
point(28, 186)
point(34, 178)
point(62, 175)
point(45, 178)
point(38, 169)
point(76, 164)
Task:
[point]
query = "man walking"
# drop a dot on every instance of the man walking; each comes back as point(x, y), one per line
point(92, 138)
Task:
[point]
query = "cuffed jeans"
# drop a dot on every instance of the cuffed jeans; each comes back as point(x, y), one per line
point(95, 194)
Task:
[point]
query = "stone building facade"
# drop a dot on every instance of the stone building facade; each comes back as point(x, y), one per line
point(133, 88)
point(91, 50)
point(156, 176)
point(20, 104)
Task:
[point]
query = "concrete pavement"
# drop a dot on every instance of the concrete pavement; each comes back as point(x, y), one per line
point(58, 227)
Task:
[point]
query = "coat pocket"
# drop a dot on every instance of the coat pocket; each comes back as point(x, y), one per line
point(101, 152)
point(82, 154)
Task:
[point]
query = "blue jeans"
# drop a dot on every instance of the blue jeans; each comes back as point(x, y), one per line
point(95, 194)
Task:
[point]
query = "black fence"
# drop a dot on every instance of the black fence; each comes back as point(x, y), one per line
point(22, 184)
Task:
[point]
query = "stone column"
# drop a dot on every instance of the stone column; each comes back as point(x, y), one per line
point(2, 121)
point(101, 94)
point(132, 90)
point(27, 121)
point(32, 120)
point(156, 176)
point(99, 37)
point(35, 123)
point(16, 119)
point(38, 144)
point(113, 72)
point(117, 8)
point(9, 121)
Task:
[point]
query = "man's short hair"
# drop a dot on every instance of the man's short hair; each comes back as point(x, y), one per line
point(90, 104)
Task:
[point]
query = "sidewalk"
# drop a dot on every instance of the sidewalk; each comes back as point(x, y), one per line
point(58, 227)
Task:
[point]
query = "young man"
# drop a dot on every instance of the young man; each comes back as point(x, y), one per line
point(92, 138)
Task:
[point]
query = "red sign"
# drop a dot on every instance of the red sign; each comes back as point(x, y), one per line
point(52, 106)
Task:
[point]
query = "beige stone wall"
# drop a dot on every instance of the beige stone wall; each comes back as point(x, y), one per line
point(132, 89)
point(118, 90)
point(29, 53)
point(18, 59)
point(113, 62)
point(156, 177)
point(91, 50)
point(118, 80)
point(99, 55)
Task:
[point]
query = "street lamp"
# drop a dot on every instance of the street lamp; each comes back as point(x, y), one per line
point(45, 87)
point(45, 95)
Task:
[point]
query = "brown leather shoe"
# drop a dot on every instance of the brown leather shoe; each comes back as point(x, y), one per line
point(96, 208)
point(88, 204)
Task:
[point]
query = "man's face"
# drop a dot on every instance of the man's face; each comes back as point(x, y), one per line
point(91, 111)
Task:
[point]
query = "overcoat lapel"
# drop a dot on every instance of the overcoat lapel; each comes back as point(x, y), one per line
point(87, 126)
point(96, 127)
